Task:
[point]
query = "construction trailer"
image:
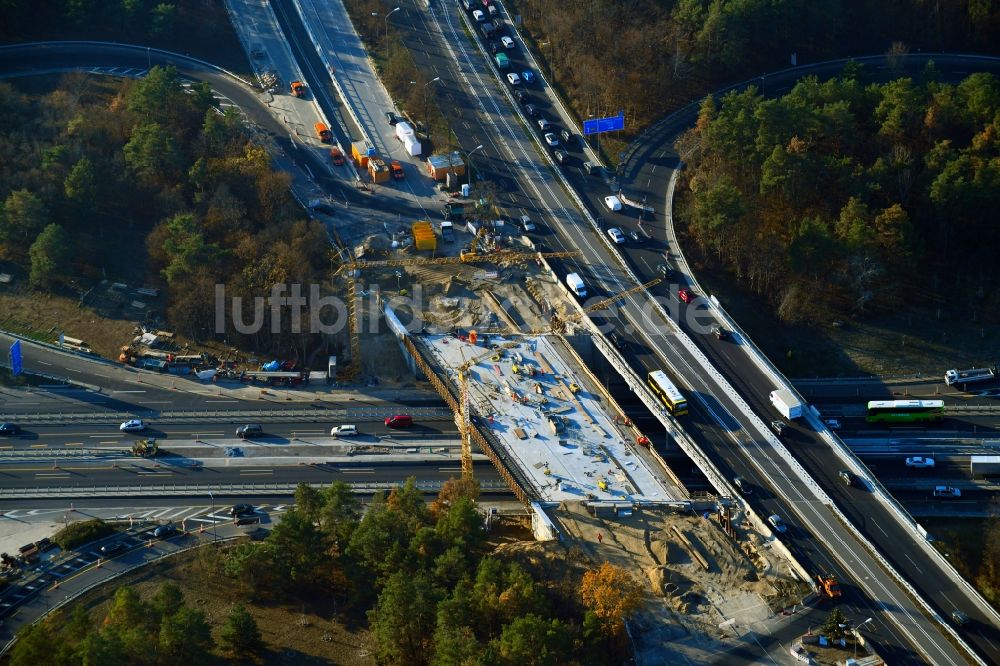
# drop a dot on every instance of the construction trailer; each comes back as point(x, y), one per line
point(378, 170)
point(361, 152)
point(439, 166)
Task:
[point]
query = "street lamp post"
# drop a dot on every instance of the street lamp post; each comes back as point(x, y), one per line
point(469, 159)
point(856, 630)
point(215, 529)
point(426, 123)
point(387, 15)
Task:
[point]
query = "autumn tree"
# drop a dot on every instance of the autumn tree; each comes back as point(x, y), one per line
point(612, 594)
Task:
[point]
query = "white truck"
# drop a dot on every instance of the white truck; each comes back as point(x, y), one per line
point(962, 377)
point(406, 136)
point(575, 284)
point(786, 403)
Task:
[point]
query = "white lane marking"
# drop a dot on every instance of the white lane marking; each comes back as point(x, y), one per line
point(878, 526)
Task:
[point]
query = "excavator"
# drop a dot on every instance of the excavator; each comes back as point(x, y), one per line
point(829, 585)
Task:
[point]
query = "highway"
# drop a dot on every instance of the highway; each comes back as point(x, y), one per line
point(651, 349)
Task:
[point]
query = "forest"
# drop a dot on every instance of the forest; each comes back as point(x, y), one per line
point(421, 576)
point(649, 57)
point(841, 198)
point(145, 180)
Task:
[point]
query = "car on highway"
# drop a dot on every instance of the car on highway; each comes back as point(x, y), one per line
point(720, 333)
point(249, 430)
point(613, 203)
point(959, 618)
point(241, 509)
point(507, 42)
point(391, 117)
point(550, 140)
point(665, 270)
point(742, 485)
point(324, 208)
point(921, 462)
point(777, 523)
point(520, 95)
point(132, 425)
point(525, 224)
point(478, 15)
point(543, 124)
point(832, 424)
point(636, 236)
point(9, 430)
point(528, 76)
point(560, 155)
point(109, 549)
point(947, 491)
point(567, 136)
point(617, 340)
point(346, 430)
point(685, 295)
point(531, 110)
point(399, 421)
point(513, 79)
point(337, 156)
point(164, 531)
point(616, 235)
point(848, 478)
point(248, 520)
point(778, 426)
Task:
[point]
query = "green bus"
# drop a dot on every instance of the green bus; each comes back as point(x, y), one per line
point(904, 411)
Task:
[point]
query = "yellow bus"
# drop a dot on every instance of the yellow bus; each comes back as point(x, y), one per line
point(667, 393)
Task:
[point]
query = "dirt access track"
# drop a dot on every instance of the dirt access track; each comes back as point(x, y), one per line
point(703, 586)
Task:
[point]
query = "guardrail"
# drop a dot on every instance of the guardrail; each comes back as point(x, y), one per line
point(186, 490)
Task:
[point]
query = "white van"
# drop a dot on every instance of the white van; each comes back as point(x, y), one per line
point(575, 284)
point(344, 431)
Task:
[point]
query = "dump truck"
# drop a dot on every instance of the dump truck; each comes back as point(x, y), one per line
point(323, 132)
point(298, 88)
point(829, 585)
point(145, 448)
point(453, 209)
point(786, 403)
point(396, 169)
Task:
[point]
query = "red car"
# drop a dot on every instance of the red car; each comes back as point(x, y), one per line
point(685, 295)
point(399, 421)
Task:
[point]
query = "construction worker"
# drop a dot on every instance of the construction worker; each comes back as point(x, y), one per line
point(600, 538)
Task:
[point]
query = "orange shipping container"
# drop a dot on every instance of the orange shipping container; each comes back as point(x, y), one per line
point(359, 152)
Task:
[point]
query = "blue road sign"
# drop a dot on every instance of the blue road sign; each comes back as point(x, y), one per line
point(15, 358)
point(598, 125)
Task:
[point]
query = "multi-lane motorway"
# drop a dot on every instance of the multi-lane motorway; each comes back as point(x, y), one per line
point(738, 445)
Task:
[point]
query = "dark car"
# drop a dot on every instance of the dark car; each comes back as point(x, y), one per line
point(241, 509)
point(9, 430)
point(248, 520)
point(391, 117)
point(531, 110)
point(324, 208)
point(164, 531)
point(742, 485)
point(848, 478)
point(618, 341)
point(778, 426)
point(520, 95)
point(249, 430)
point(720, 333)
point(112, 548)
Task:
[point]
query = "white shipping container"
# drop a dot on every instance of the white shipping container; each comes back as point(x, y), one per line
point(413, 147)
point(403, 130)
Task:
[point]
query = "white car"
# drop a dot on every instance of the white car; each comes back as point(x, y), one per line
point(543, 124)
point(514, 79)
point(551, 140)
point(613, 203)
point(616, 235)
point(777, 523)
point(344, 431)
point(919, 461)
point(478, 15)
point(507, 42)
point(133, 425)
